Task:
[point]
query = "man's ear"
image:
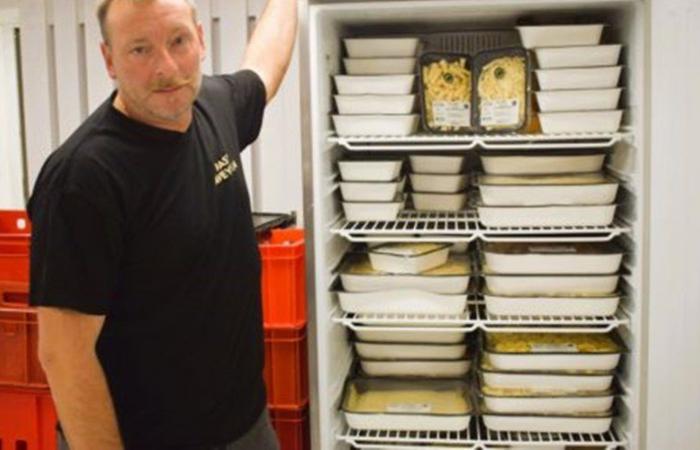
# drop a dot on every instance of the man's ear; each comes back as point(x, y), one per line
point(109, 63)
point(202, 44)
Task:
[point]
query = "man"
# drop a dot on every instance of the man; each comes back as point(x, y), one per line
point(144, 264)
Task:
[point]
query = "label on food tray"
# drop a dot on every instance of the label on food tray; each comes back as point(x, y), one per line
point(552, 248)
point(410, 408)
point(452, 114)
point(553, 348)
point(500, 112)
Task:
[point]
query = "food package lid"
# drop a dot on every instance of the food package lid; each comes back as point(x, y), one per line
point(485, 366)
point(445, 397)
point(408, 249)
point(359, 264)
point(587, 415)
point(538, 248)
point(545, 180)
point(544, 152)
point(553, 343)
point(512, 392)
point(572, 297)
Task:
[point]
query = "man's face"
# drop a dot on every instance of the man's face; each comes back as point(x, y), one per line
point(154, 54)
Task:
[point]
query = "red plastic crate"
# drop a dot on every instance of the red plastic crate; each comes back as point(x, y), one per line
point(15, 226)
point(283, 277)
point(27, 420)
point(286, 367)
point(292, 427)
point(19, 339)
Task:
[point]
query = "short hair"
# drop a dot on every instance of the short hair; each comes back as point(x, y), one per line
point(103, 9)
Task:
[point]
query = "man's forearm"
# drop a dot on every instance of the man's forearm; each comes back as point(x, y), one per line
point(269, 50)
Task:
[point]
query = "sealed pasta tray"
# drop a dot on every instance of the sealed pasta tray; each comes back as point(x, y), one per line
point(501, 85)
point(446, 92)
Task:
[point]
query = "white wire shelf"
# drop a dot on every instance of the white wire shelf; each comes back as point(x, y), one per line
point(476, 317)
point(509, 141)
point(464, 226)
point(477, 435)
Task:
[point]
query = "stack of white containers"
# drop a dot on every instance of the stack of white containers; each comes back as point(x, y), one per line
point(539, 188)
point(438, 183)
point(412, 380)
point(578, 78)
point(377, 96)
point(372, 190)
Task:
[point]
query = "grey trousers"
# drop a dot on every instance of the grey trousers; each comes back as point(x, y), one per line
point(261, 437)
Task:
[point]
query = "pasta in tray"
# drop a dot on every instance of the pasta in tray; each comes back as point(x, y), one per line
point(446, 83)
point(502, 90)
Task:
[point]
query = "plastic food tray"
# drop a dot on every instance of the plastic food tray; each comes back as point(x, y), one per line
point(548, 423)
point(429, 201)
point(381, 47)
point(578, 56)
point(376, 125)
point(446, 184)
point(557, 258)
point(551, 306)
point(541, 162)
point(415, 405)
point(420, 368)
point(451, 278)
point(548, 403)
point(403, 301)
point(551, 285)
point(578, 78)
point(368, 191)
point(370, 170)
point(381, 211)
point(581, 121)
point(406, 258)
point(415, 352)
point(578, 100)
point(548, 381)
point(374, 84)
point(560, 35)
point(583, 189)
point(380, 66)
point(436, 164)
point(525, 216)
point(367, 334)
point(375, 104)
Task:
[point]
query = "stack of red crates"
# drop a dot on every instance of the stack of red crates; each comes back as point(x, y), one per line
point(27, 415)
point(284, 313)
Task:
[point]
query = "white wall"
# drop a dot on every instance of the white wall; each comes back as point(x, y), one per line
point(67, 80)
point(673, 401)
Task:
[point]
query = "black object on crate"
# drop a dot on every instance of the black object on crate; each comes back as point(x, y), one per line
point(264, 222)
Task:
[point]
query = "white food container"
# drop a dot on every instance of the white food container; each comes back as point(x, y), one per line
point(378, 211)
point(381, 47)
point(446, 184)
point(375, 104)
point(548, 424)
point(541, 163)
point(547, 403)
point(541, 190)
point(551, 306)
point(398, 335)
point(542, 216)
point(420, 368)
point(578, 100)
point(402, 301)
point(578, 78)
point(560, 35)
point(380, 66)
point(548, 381)
point(370, 170)
point(554, 361)
point(427, 201)
point(374, 84)
point(581, 121)
point(578, 56)
point(408, 258)
point(415, 352)
point(412, 405)
point(376, 125)
point(357, 275)
point(551, 285)
point(368, 191)
point(436, 164)
point(552, 258)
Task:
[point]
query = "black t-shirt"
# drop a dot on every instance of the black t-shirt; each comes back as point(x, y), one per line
point(153, 229)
